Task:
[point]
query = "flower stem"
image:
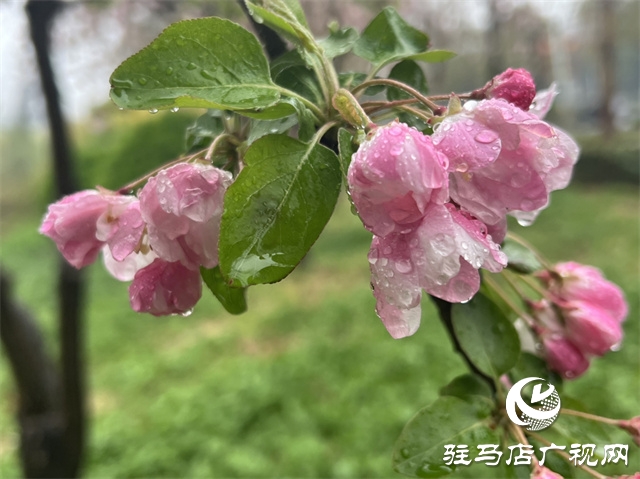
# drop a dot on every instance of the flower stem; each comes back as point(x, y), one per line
point(308, 103)
point(519, 239)
point(503, 295)
point(437, 109)
point(591, 417)
point(567, 458)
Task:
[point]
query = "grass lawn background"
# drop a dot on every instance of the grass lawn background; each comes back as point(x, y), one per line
point(307, 383)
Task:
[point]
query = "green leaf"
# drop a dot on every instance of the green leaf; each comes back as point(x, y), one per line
point(521, 259)
point(276, 208)
point(339, 42)
point(202, 63)
point(285, 17)
point(346, 150)
point(433, 56)
point(233, 299)
point(486, 335)
point(260, 128)
point(279, 110)
point(204, 130)
point(409, 73)
point(530, 365)
point(389, 38)
point(467, 386)
point(420, 448)
point(291, 72)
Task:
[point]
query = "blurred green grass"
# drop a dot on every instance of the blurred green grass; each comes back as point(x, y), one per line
point(307, 383)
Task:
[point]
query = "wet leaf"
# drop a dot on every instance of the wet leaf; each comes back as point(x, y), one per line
point(419, 451)
point(409, 73)
point(276, 208)
point(202, 63)
point(466, 386)
point(486, 335)
point(389, 38)
point(521, 259)
point(232, 299)
point(204, 130)
point(339, 42)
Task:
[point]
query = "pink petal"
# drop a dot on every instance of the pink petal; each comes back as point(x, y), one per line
point(591, 329)
point(394, 176)
point(164, 288)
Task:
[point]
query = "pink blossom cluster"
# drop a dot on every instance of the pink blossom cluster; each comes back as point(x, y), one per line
point(158, 240)
point(582, 317)
point(437, 205)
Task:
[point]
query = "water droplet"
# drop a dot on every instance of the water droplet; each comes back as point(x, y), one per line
point(175, 109)
point(186, 313)
point(462, 168)
point(192, 66)
point(207, 74)
point(569, 374)
point(403, 266)
point(464, 245)
point(486, 136)
point(405, 452)
point(142, 81)
point(120, 108)
point(181, 42)
point(169, 71)
point(153, 111)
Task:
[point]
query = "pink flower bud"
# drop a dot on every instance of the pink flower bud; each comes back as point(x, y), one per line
point(515, 86)
point(564, 357)
point(182, 207)
point(590, 328)
point(632, 426)
point(541, 472)
point(394, 176)
point(587, 284)
point(164, 288)
point(80, 224)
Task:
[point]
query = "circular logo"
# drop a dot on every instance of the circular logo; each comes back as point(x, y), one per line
point(545, 405)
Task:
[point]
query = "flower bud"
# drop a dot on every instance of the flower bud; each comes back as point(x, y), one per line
point(394, 176)
point(632, 426)
point(182, 207)
point(513, 85)
point(587, 284)
point(591, 329)
point(541, 472)
point(564, 357)
point(164, 288)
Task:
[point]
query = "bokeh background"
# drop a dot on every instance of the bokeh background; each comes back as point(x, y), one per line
point(307, 383)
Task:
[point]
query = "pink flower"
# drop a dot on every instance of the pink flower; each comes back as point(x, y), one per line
point(80, 224)
point(632, 426)
point(503, 160)
point(591, 328)
point(541, 472)
point(163, 288)
point(515, 86)
point(578, 282)
point(394, 176)
point(563, 356)
point(126, 269)
point(441, 255)
point(182, 207)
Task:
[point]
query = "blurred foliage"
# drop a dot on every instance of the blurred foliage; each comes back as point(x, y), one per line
point(129, 146)
point(307, 383)
point(609, 160)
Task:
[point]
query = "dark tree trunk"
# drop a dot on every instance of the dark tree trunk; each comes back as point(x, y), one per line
point(606, 12)
point(51, 412)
